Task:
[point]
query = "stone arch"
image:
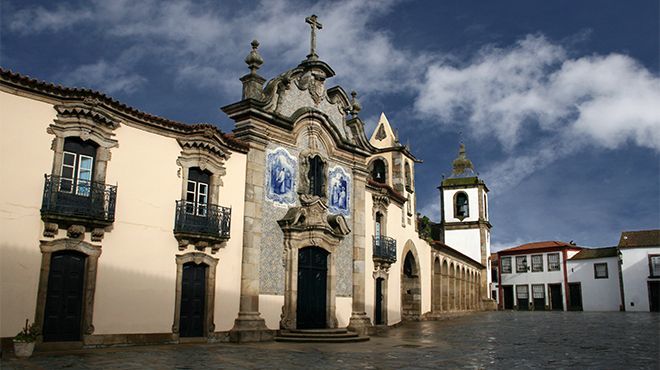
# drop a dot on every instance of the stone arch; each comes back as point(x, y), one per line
point(370, 167)
point(411, 292)
point(436, 297)
point(452, 286)
point(89, 285)
point(197, 258)
point(445, 285)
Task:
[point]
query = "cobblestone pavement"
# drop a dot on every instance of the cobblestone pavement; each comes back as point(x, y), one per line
point(502, 340)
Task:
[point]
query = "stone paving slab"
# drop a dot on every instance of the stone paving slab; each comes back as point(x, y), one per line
point(500, 340)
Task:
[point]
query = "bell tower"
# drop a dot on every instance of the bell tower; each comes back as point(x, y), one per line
point(464, 209)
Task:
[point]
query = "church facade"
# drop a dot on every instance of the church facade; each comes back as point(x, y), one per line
point(121, 227)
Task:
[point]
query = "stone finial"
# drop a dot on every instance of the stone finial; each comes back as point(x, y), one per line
point(462, 166)
point(254, 60)
point(355, 104)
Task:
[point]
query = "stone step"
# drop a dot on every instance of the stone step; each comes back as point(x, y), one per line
point(318, 335)
point(321, 339)
point(317, 331)
point(339, 335)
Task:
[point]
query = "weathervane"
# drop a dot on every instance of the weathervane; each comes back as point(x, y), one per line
point(314, 24)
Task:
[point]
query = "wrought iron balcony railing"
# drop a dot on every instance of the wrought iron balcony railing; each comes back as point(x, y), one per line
point(83, 201)
point(199, 219)
point(384, 249)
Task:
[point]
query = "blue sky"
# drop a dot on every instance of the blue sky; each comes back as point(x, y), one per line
point(558, 102)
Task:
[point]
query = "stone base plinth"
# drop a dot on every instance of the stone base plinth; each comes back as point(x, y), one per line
point(250, 327)
point(360, 324)
point(488, 305)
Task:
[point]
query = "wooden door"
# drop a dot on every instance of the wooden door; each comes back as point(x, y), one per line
point(556, 299)
point(575, 296)
point(508, 297)
point(379, 301)
point(312, 288)
point(63, 311)
point(193, 300)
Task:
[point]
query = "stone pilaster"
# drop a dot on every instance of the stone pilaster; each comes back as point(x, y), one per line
point(359, 321)
point(249, 326)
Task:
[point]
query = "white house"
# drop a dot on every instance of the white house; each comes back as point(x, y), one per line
point(640, 267)
point(596, 272)
point(533, 277)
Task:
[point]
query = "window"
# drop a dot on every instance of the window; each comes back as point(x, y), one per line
point(654, 265)
point(378, 171)
point(521, 264)
point(408, 176)
point(600, 270)
point(461, 207)
point(197, 191)
point(553, 262)
point(538, 291)
point(77, 166)
point(315, 176)
point(537, 263)
point(506, 265)
point(379, 219)
point(522, 291)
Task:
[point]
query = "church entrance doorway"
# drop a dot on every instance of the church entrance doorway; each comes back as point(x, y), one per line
point(64, 297)
point(312, 288)
point(379, 302)
point(556, 301)
point(193, 302)
point(508, 296)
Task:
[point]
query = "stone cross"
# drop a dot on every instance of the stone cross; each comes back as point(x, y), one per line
point(314, 24)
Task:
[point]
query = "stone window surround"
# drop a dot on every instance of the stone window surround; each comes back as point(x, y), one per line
point(89, 285)
point(467, 198)
point(197, 258)
point(194, 157)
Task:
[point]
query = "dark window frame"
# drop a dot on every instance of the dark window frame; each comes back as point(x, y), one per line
point(596, 276)
point(551, 264)
point(504, 266)
point(652, 273)
point(535, 265)
point(524, 268)
point(458, 207)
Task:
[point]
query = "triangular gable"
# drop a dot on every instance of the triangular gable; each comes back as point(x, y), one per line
point(383, 136)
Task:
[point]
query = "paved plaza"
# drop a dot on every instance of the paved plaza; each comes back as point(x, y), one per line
point(502, 340)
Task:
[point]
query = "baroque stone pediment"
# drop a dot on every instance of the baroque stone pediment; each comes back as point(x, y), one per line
point(313, 215)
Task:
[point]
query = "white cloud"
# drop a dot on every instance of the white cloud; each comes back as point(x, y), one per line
point(105, 77)
point(534, 92)
point(184, 34)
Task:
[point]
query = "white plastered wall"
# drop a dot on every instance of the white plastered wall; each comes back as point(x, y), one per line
point(136, 278)
point(635, 269)
point(473, 199)
point(597, 294)
point(528, 278)
point(26, 157)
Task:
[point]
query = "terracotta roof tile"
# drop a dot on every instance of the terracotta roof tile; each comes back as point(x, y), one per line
point(595, 253)
point(642, 238)
point(541, 245)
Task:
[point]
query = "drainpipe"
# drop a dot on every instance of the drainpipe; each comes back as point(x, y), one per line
point(565, 255)
point(500, 290)
point(619, 260)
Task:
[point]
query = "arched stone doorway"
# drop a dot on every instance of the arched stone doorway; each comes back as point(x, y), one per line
point(310, 241)
point(411, 292)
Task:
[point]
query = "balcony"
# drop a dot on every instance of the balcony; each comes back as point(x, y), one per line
point(201, 224)
point(384, 249)
point(85, 203)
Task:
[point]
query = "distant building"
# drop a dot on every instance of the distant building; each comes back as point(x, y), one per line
point(640, 267)
point(533, 276)
point(595, 274)
point(562, 276)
